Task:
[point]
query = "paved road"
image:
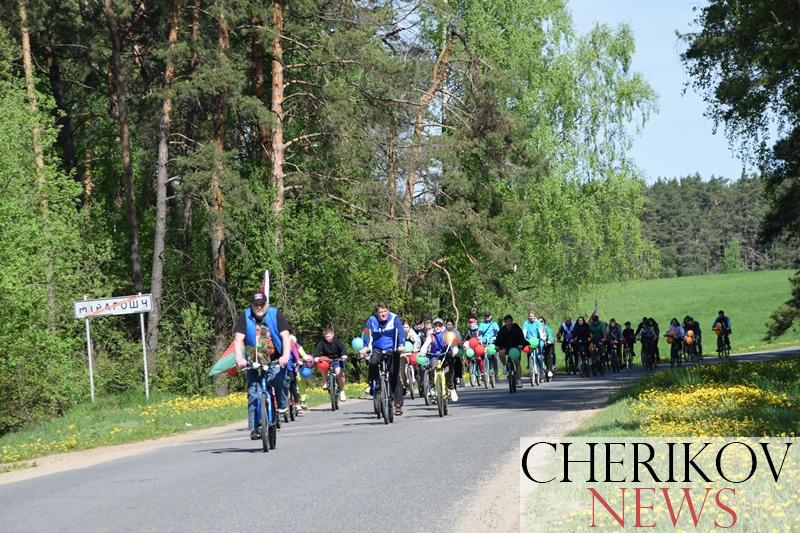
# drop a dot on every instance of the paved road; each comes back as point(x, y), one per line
point(342, 471)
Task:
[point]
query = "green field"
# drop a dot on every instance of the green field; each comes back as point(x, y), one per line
point(748, 298)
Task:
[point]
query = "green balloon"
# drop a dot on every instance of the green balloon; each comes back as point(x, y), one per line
point(514, 354)
point(422, 360)
point(470, 353)
point(491, 349)
point(409, 346)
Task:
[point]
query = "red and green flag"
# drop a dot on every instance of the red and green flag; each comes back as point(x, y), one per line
point(226, 362)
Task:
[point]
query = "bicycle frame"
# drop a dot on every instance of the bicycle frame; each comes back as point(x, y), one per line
point(268, 424)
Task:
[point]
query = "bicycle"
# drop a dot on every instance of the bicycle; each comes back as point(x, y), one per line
point(616, 365)
point(627, 354)
point(440, 386)
point(424, 383)
point(267, 425)
point(533, 367)
point(490, 371)
point(675, 353)
point(598, 363)
point(333, 383)
point(382, 403)
point(475, 373)
point(511, 372)
point(411, 377)
point(582, 356)
point(292, 412)
point(570, 361)
point(723, 346)
point(648, 354)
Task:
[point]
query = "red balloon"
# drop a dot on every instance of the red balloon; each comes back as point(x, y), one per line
point(527, 349)
point(474, 342)
point(411, 358)
point(480, 350)
point(324, 364)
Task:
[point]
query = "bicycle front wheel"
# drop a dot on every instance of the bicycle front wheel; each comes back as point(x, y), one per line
point(439, 383)
point(425, 384)
point(532, 370)
point(264, 421)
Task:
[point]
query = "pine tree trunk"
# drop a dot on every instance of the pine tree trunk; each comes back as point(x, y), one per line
point(65, 134)
point(218, 276)
point(191, 117)
point(259, 78)
point(120, 97)
point(156, 277)
point(278, 155)
point(41, 184)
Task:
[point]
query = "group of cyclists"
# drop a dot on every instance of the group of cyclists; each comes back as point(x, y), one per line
point(484, 350)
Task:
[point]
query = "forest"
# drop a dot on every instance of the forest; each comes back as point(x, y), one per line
point(711, 226)
point(439, 155)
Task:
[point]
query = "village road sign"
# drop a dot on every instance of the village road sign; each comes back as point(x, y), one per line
point(121, 305)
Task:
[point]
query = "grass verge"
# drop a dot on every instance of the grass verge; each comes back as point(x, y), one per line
point(728, 399)
point(130, 418)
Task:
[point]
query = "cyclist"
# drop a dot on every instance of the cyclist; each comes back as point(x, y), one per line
point(647, 335)
point(384, 336)
point(439, 349)
point(565, 335)
point(257, 324)
point(298, 358)
point(549, 348)
point(487, 332)
point(614, 335)
point(677, 333)
point(657, 331)
point(598, 331)
point(458, 365)
point(488, 329)
point(581, 335)
point(412, 336)
point(722, 325)
point(510, 336)
point(694, 325)
point(629, 337)
point(534, 334)
point(331, 346)
point(472, 333)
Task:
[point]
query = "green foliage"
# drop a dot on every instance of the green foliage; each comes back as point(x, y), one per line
point(745, 61)
point(523, 195)
point(696, 226)
point(39, 235)
point(185, 353)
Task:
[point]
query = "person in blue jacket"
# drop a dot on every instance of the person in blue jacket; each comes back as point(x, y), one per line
point(384, 336)
point(264, 330)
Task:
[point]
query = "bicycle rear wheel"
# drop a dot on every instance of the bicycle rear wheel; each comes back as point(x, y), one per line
point(273, 436)
point(410, 380)
point(332, 389)
point(263, 421)
point(439, 384)
point(385, 401)
point(426, 386)
point(276, 419)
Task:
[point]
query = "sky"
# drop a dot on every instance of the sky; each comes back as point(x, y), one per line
point(678, 140)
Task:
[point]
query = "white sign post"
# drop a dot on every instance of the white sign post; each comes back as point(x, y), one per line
point(122, 305)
